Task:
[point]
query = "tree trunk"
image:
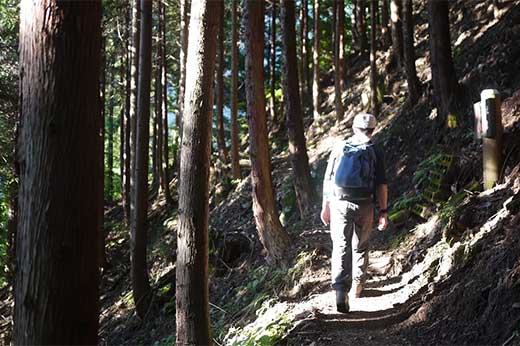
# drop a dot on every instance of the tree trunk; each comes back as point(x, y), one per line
point(221, 140)
point(193, 324)
point(293, 110)
point(316, 61)
point(361, 25)
point(165, 177)
point(339, 14)
point(397, 32)
point(374, 100)
point(136, 14)
point(56, 290)
point(122, 76)
point(235, 157)
point(386, 37)
point(302, 49)
point(184, 35)
point(353, 25)
point(128, 133)
point(109, 118)
point(271, 233)
point(159, 104)
point(101, 152)
point(155, 126)
point(414, 86)
point(272, 65)
point(140, 282)
point(445, 84)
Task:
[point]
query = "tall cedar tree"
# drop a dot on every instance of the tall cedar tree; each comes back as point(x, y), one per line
point(139, 226)
point(374, 101)
point(159, 102)
point(122, 79)
point(193, 324)
point(445, 84)
point(302, 48)
point(271, 233)
point(360, 14)
point(386, 37)
point(316, 61)
point(183, 54)
point(397, 32)
point(164, 82)
point(221, 140)
point(56, 290)
point(235, 158)
point(293, 110)
point(414, 86)
point(126, 178)
point(134, 81)
point(109, 120)
point(339, 14)
point(307, 55)
point(101, 153)
point(272, 62)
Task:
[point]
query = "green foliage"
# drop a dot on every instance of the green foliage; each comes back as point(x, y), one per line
point(405, 202)
point(449, 210)
point(258, 295)
point(167, 341)
point(8, 112)
point(267, 330)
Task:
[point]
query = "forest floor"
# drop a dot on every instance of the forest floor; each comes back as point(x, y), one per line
point(448, 277)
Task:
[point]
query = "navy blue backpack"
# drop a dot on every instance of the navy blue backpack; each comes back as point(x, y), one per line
point(355, 173)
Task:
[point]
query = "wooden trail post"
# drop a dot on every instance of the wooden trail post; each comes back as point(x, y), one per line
point(491, 133)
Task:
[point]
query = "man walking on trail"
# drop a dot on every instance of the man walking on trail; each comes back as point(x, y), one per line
point(355, 173)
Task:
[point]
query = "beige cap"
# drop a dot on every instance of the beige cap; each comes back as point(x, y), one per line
point(364, 121)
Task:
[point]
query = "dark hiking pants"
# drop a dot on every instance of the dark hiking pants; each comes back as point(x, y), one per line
point(350, 228)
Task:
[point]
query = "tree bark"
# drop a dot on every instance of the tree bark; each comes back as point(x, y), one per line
point(361, 25)
point(339, 13)
point(134, 81)
point(235, 157)
point(271, 233)
point(155, 125)
point(159, 103)
point(316, 61)
point(122, 76)
point(101, 152)
point(139, 227)
point(193, 324)
point(128, 133)
point(374, 100)
point(272, 65)
point(445, 84)
point(302, 49)
point(386, 37)
point(397, 32)
point(165, 177)
point(56, 290)
point(184, 35)
point(109, 118)
point(414, 86)
point(293, 110)
point(221, 140)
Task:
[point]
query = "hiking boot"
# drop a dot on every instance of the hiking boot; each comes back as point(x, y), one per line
point(342, 301)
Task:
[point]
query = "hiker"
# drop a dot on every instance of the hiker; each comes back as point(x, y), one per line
point(355, 174)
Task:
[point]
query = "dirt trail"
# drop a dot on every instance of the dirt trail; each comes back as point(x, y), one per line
point(387, 300)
